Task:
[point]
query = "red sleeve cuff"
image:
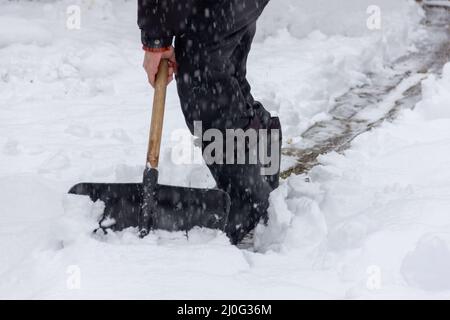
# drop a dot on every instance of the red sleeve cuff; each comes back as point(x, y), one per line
point(155, 49)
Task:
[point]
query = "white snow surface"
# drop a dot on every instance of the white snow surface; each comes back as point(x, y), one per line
point(75, 106)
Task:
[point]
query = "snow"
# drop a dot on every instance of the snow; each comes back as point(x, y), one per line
point(24, 32)
point(75, 104)
point(385, 202)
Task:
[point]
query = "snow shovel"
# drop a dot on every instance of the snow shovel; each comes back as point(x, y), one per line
point(149, 205)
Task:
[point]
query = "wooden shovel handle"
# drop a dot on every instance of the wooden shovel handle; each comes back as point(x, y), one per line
point(156, 126)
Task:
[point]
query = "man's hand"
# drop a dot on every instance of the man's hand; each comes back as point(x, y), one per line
point(152, 60)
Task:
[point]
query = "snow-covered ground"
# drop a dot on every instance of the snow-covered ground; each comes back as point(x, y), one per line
point(75, 106)
point(379, 211)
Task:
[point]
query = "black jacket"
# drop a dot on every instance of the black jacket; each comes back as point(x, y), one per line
point(161, 20)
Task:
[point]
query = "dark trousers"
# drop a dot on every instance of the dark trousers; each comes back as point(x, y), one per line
point(213, 89)
point(211, 79)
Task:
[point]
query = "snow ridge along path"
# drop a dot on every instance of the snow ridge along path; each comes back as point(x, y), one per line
point(368, 105)
point(369, 223)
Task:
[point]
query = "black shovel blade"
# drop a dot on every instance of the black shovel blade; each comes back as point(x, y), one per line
point(178, 208)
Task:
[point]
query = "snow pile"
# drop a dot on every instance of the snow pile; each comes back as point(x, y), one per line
point(350, 18)
point(333, 17)
point(435, 102)
point(25, 32)
point(384, 203)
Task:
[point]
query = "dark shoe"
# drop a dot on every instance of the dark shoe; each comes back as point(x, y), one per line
point(249, 194)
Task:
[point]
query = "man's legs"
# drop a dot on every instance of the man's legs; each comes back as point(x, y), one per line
point(213, 89)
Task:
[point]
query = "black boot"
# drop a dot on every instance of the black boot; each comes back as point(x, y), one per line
point(249, 193)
